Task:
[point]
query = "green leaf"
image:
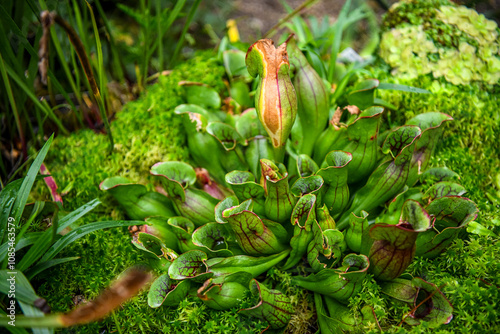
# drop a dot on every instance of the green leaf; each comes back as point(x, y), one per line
point(279, 201)
point(164, 291)
point(225, 295)
point(436, 311)
point(273, 306)
point(258, 148)
point(358, 227)
point(24, 190)
point(202, 95)
point(234, 62)
point(225, 134)
point(335, 192)
point(244, 187)
point(363, 94)
point(430, 124)
point(326, 248)
point(307, 185)
point(306, 166)
point(22, 290)
point(190, 265)
point(253, 234)
point(28, 239)
point(400, 289)
point(153, 245)
point(393, 246)
point(183, 229)
point(248, 124)
point(390, 177)
point(175, 176)
point(36, 269)
point(160, 228)
point(341, 283)
point(253, 265)
point(442, 189)
point(403, 88)
point(335, 318)
point(214, 238)
point(452, 214)
point(73, 216)
point(476, 228)
point(303, 218)
point(438, 174)
point(8, 196)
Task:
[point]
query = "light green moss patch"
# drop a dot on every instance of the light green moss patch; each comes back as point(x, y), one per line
point(439, 38)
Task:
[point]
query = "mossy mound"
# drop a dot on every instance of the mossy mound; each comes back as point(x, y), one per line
point(441, 38)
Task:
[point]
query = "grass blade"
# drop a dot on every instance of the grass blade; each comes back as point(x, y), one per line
point(77, 214)
point(403, 88)
point(82, 231)
point(13, 105)
point(28, 239)
point(87, 68)
point(38, 268)
point(23, 293)
point(118, 66)
point(48, 112)
point(7, 198)
point(38, 207)
point(24, 190)
point(39, 248)
point(190, 17)
point(339, 27)
point(29, 310)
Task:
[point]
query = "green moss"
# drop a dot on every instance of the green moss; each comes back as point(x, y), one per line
point(413, 12)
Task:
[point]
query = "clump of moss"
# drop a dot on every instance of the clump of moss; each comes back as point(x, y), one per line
point(438, 37)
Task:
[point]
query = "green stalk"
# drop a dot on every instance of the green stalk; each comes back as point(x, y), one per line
point(159, 35)
point(115, 318)
point(118, 66)
point(339, 28)
point(190, 17)
point(100, 59)
point(35, 100)
point(13, 104)
point(297, 10)
point(166, 26)
point(84, 60)
point(145, 39)
point(62, 59)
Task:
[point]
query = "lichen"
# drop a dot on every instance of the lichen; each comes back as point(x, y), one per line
point(446, 40)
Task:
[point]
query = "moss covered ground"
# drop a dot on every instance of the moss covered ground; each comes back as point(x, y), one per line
point(146, 132)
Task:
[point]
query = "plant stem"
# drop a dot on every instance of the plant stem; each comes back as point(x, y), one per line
point(84, 60)
point(13, 104)
point(297, 10)
point(194, 7)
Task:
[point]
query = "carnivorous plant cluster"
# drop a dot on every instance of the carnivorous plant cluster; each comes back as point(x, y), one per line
point(291, 183)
